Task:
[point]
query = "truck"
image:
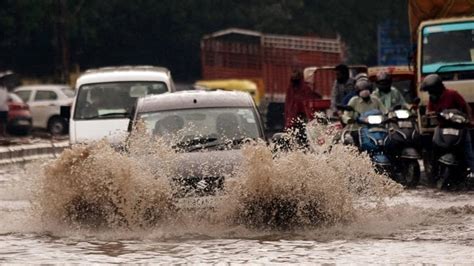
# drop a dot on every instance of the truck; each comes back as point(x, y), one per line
point(443, 31)
point(443, 34)
point(267, 59)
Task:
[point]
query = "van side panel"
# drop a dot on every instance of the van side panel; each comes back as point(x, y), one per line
point(113, 130)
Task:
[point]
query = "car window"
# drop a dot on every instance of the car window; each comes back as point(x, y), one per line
point(14, 98)
point(46, 96)
point(24, 95)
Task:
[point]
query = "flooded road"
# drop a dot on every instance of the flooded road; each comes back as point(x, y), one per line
point(416, 226)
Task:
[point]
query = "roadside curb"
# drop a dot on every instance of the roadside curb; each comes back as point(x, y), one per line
point(29, 152)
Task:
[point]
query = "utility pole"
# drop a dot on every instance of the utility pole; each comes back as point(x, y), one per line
point(62, 48)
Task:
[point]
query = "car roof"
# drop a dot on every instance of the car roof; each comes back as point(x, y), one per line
point(124, 73)
point(194, 100)
point(42, 86)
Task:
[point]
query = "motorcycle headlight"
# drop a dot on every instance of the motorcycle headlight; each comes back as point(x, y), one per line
point(402, 114)
point(374, 119)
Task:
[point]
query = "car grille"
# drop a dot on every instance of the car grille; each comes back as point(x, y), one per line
point(197, 186)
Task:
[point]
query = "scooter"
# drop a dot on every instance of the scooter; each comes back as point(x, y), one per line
point(370, 137)
point(449, 167)
point(402, 146)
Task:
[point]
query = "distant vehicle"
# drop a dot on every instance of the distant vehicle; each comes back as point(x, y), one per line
point(207, 128)
point(106, 97)
point(45, 102)
point(19, 116)
point(270, 58)
point(243, 85)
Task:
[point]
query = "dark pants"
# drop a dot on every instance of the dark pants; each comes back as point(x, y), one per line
point(468, 153)
point(3, 122)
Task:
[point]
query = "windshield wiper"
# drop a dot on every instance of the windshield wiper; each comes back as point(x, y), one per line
point(454, 65)
point(123, 114)
point(194, 142)
point(211, 144)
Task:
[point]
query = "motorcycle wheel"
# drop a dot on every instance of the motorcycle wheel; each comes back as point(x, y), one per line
point(411, 173)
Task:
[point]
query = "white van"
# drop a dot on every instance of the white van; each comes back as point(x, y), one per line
point(105, 99)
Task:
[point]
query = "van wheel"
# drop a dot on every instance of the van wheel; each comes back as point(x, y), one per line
point(57, 126)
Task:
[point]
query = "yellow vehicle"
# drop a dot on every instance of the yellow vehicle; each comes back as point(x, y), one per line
point(243, 85)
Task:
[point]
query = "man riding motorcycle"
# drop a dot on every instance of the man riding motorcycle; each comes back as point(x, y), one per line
point(363, 102)
point(388, 95)
point(360, 104)
point(442, 98)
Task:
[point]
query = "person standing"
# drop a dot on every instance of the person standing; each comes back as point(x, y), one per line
point(343, 86)
point(298, 91)
point(3, 110)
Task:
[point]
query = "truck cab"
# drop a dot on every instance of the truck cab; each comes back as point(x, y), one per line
point(443, 32)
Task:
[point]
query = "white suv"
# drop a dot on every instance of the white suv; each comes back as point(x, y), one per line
point(45, 102)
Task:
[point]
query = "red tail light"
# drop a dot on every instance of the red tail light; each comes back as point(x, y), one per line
point(18, 106)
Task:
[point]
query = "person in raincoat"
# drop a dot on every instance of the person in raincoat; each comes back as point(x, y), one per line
point(298, 91)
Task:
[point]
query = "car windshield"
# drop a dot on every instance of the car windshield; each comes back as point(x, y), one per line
point(68, 92)
point(213, 124)
point(112, 100)
point(448, 47)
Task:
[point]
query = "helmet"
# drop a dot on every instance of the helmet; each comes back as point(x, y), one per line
point(432, 84)
point(361, 76)
point(363, 84)
point(383, 77)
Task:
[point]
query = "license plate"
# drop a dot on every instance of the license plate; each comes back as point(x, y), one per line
point(23, 123)
point(405, 124)
point(451, 131)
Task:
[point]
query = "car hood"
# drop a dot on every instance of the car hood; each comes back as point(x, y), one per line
point(220, 163)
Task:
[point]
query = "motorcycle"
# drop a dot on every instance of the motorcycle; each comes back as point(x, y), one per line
point(449, 167)
point(402, 146)
point(369, 137)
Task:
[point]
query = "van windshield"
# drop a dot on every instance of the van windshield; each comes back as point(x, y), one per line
point(112, 99)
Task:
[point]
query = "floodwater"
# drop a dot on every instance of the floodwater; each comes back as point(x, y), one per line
point(411, 226)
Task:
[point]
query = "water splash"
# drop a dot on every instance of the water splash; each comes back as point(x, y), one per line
point(100, 186)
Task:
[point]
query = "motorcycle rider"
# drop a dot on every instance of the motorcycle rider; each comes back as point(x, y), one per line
point(363, 102)
point(343, 85)
point(389, 95)
point(442, 98)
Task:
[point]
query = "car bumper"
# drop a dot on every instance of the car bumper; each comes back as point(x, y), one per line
point(20, 123)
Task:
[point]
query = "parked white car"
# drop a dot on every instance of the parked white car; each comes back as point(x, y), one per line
point(106, 98)
point(45, 103)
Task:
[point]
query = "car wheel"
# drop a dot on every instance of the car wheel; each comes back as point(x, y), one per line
point(57, 126)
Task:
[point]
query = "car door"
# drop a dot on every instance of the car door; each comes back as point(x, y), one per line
point(43, 105)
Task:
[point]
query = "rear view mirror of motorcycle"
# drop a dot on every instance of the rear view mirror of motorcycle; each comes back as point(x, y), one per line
point(415, 104)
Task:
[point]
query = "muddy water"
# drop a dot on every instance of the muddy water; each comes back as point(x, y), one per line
point(362, 217)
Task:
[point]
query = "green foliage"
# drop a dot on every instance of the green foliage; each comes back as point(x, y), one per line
point(168, 32)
